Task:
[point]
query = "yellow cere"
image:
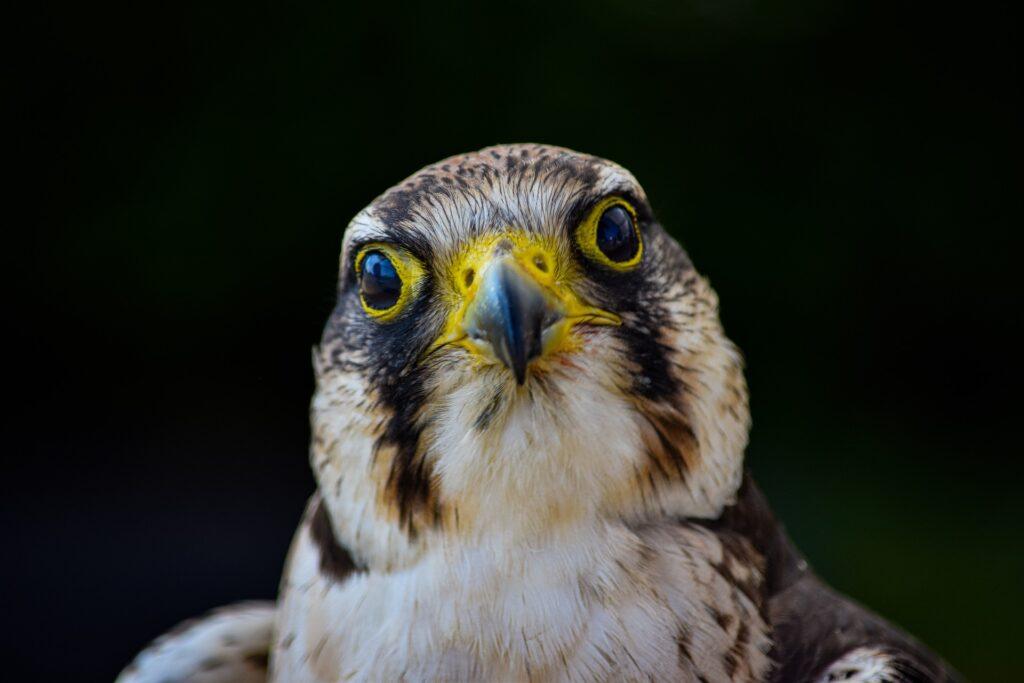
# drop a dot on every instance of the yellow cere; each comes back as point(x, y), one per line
point(586, 235)
point(538, 258)
point(535, 254)
point(409, 269)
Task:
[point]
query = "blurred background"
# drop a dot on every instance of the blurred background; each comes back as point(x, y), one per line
point(848, 174)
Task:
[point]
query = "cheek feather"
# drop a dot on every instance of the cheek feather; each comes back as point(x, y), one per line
point(632, 421)
point(644, 418)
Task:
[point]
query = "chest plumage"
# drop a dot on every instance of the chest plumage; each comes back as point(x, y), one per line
point(604, 602)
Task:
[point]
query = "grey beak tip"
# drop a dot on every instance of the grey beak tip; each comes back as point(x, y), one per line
point(512, 317)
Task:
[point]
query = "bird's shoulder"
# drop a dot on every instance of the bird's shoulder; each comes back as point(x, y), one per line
point(228, 645)
point(818, 634)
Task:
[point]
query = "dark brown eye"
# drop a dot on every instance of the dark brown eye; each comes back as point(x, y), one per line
point(616, 235)
point(380, 283)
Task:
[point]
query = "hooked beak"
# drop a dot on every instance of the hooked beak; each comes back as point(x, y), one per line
point(515, 311)
point(510, 313)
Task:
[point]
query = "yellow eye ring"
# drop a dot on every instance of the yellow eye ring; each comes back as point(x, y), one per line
point(390, 264)
point(596, 240)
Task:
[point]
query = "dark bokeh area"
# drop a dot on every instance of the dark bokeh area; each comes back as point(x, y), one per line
point(848, 174)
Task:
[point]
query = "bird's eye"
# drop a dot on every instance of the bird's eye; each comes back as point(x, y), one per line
point(386, 276)
point(616, 237)
point(380, 284)
point(609, 235)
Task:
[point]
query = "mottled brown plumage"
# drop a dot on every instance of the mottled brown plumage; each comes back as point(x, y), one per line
point(528, 437)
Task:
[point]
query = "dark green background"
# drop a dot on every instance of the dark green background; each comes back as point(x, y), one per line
point(847, 174)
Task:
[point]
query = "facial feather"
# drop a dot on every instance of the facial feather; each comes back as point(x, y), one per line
point(649, 417)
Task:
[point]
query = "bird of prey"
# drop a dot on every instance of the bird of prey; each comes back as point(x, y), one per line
point(528, 434)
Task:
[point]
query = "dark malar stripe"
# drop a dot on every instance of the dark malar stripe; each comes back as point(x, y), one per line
point(335, 561)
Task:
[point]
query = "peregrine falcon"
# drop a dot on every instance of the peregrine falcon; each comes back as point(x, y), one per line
point(528, 434)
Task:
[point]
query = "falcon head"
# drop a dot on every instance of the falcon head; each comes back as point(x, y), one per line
point(517, 347)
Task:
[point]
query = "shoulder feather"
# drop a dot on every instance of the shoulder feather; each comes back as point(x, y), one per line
point(228, 645)
point(820, 635)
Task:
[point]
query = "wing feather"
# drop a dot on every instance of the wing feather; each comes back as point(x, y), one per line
point(820, 635)
point(228, 645)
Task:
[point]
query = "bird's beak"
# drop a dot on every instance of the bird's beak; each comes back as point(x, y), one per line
point(515, 311)
point(510, 314)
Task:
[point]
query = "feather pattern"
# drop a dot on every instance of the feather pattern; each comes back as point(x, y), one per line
point(591, 521)
point(228, 645)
